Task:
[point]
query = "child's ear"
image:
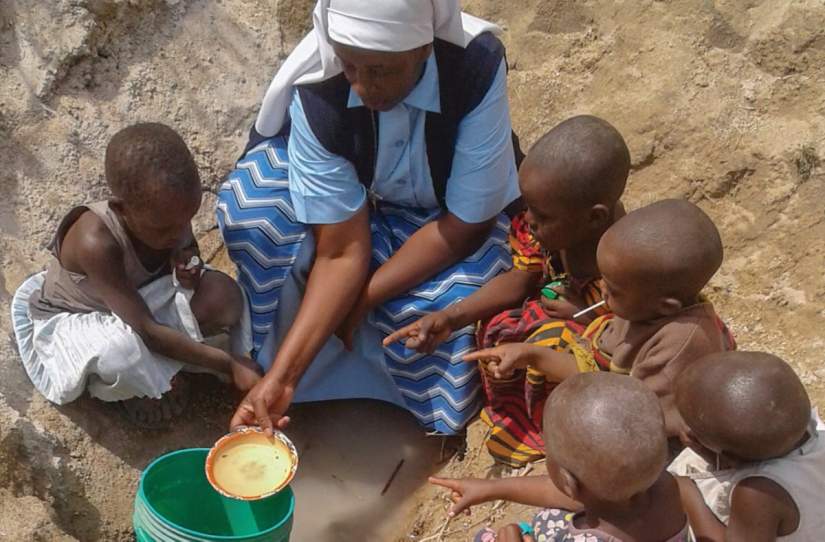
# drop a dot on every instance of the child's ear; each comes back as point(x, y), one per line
point(600, 216)
point(669, 306)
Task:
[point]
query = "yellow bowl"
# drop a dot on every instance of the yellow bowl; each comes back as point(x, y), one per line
point(248, 465)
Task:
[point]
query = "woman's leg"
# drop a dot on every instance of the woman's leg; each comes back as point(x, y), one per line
point(441, 390)
point(258, 225)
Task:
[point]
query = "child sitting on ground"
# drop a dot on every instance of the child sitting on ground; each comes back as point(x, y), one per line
point(606, 457)
point(756, 464)
point(124, 303)
point(654, 263)
point(571, 182)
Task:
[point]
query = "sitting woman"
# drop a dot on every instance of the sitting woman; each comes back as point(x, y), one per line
point(371, 193)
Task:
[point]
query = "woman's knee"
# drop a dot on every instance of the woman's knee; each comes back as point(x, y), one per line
point(218, 302)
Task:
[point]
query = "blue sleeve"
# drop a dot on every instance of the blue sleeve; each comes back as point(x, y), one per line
point(484, 180)
point(324, 187)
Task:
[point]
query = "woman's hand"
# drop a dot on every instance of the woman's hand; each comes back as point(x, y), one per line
point(464, 492)
point(265, 405)
point(424, 335)
point(346, 331)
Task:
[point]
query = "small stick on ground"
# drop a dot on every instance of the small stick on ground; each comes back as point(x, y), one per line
point(392, 476)
point(483, 442)
point(440, 534)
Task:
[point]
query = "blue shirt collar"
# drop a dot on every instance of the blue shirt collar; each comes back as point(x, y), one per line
point(424, 94)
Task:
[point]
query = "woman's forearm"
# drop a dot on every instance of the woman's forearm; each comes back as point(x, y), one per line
point(432, 248)
point(335, 280)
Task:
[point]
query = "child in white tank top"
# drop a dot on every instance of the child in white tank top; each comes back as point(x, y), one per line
point(755, 469)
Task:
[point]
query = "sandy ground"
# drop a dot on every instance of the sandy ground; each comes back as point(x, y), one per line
point(722, 102)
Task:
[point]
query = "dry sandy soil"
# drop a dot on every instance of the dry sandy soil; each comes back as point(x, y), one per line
point(722, 102)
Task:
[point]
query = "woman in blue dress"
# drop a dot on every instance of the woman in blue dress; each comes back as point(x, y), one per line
point(371, 193)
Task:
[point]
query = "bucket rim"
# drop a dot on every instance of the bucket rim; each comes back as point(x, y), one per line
point(148, 504)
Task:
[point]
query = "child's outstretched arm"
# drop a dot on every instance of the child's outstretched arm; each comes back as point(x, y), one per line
point(528, 490)
point(506, 291)
point(92, 249)
point(505, 358)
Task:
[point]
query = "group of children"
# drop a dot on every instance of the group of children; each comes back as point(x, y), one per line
point(613, 394)
point(597, 348)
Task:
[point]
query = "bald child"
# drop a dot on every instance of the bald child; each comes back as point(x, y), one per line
point(606, 457)
point(654, 263)
point(755, 469)
point(571, 183)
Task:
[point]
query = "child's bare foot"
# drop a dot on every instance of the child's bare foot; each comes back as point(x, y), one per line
point(157, 414)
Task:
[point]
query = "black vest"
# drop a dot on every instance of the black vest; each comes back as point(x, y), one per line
point(464, 77)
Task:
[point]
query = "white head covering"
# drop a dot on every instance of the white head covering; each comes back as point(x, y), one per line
point(377, 25)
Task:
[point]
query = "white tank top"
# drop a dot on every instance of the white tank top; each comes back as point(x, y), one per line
point(801, 473)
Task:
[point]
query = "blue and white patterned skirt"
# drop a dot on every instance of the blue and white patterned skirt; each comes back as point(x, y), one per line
point(274, 252)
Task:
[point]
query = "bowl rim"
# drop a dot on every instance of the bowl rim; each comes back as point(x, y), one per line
point(141, 494)
point(239, 432)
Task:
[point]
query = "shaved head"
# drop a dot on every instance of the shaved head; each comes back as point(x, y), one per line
point(671, 244)
point(608, 431)
point(585, 157)
point(751, 405)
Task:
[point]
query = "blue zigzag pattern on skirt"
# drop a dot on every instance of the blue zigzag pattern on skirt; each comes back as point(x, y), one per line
point(258, 223)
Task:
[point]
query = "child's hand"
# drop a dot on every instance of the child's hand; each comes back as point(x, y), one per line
point(188, 266)
point(245, 373)
point(512, 533)
point(503, 359)
point(425, 334)
point(464, 492)
point(565, 305)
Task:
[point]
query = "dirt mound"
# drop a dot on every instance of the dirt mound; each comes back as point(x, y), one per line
point(721, 103)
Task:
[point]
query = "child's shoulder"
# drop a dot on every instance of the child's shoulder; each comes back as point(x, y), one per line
point(700, 326)
point(85, 239)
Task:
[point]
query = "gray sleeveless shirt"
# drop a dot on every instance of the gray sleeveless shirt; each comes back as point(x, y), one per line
point(67, 291)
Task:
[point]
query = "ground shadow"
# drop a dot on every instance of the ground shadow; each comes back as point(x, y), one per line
point(205, 419)
point(348, 452)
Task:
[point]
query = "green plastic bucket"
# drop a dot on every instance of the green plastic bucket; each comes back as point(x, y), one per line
point(175, 503)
